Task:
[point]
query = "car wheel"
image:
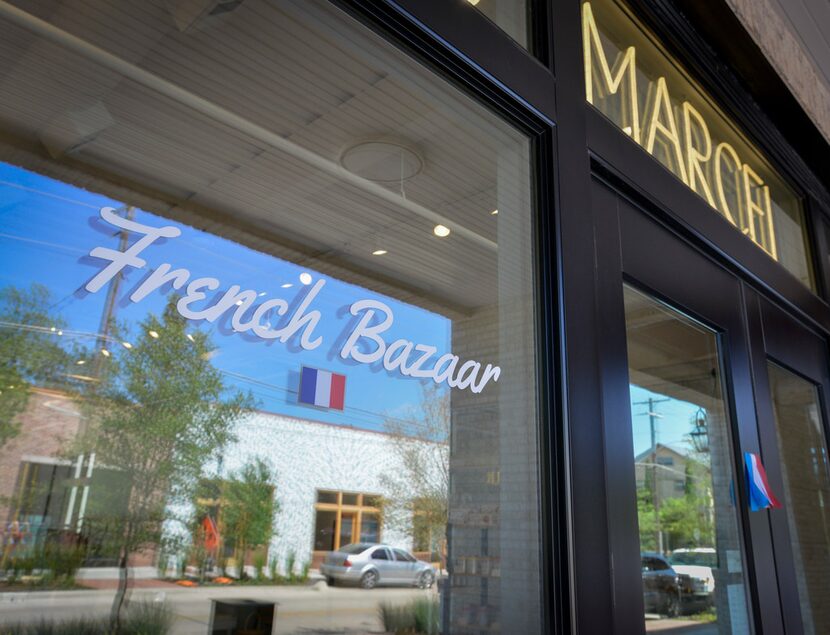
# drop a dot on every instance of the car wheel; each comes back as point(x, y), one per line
point(426, 580)
point(330, 581)
point(369, 580)
point(673, 605)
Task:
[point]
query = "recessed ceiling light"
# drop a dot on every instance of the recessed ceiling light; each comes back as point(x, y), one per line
point(379, 252)
point(305, 277)
point(153, 334)
point(80, 362)
point(105, 352)
point(494, 212)
point(60, 332)
point(191, 338)
point(262, 293)
point(53, 329)
point(126, 345)
point(239, 303)
point(441, 231)
point(287, 285)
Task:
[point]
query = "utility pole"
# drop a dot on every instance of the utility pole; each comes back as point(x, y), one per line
point(655, 498)
point(98, 371)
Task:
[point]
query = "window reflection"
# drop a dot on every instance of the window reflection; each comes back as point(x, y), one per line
point(199, 422)
point(806, 475)
point(689, 540)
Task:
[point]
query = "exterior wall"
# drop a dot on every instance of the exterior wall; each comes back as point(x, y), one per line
point(671, 478)
point(305, 455)
point(50, 419)
point(803, 64)
point(308, 456)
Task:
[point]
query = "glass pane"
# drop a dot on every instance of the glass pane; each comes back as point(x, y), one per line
point(330, 289)
point(635, 83)
point(369, 528)
point(350, 499)
point(691, 550)
point(324, 528)
point(327, 497)
point(512, 16)
point(346, 530)
point(806, 500)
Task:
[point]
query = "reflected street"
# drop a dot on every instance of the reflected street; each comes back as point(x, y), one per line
point(308, 609)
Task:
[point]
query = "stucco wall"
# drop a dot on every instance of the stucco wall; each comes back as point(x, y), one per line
point(308, 456)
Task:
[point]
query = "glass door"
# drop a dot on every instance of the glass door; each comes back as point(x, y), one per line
point(690, 546)
point(790, 367)
point(679, 413)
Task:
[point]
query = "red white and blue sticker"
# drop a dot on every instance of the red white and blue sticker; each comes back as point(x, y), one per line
point(322, 388)
point(760, 494)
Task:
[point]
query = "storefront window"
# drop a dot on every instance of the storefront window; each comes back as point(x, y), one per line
point(266, 290)
point(638, 86)
point(806, 475)
point(512, 16)
point(690, 546)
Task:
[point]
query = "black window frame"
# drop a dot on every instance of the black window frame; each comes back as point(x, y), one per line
point(544, 94)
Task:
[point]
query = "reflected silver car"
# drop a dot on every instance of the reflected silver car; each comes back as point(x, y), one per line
point(372, 564)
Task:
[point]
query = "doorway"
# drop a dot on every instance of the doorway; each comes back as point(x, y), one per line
point(700, 374)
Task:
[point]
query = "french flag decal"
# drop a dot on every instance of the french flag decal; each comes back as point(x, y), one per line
point(760, 495)
point(322, 388)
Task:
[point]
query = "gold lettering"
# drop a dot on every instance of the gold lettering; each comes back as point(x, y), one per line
point(694, 155)
point(764, 236)
point(724, 206)
point(624, 68)
point(662, 104)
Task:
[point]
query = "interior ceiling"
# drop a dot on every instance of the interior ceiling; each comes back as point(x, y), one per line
point(297, 69)
point(669, 356)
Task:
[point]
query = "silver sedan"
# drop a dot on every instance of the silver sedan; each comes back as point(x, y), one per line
point(372, 564)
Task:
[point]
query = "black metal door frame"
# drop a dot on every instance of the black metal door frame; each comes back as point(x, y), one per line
point(636, 249)
point(776, 336)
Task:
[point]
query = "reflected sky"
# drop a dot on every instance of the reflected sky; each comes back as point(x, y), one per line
point(47, 229)
point(674, 422)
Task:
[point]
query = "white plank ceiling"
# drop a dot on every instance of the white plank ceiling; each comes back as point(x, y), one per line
point(300, 70)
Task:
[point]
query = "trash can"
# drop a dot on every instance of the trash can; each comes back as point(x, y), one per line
point(242, 617)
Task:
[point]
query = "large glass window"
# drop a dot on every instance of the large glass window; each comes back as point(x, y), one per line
point(806, 474)
point(689, 541)
point(637, 85)
point(513, 16)
point(266, 288)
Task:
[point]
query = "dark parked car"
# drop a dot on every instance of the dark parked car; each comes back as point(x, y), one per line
point(664, 590)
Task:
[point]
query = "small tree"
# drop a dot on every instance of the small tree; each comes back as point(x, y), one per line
point(160, 414)
point(417, 491)
point(687, 519)
point(248, 507)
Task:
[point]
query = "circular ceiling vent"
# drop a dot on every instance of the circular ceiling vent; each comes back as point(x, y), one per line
point(382, 161)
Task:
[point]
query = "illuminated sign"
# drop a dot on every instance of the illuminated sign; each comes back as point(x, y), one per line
point(704, 151)
point(364, 344)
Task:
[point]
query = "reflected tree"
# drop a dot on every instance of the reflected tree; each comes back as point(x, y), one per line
point(30, 352)
point(417, 492)
point(159, 414)
point(247, 507)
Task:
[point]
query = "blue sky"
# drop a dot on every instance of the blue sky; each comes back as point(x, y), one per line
point(672, 425)
point(47, 228)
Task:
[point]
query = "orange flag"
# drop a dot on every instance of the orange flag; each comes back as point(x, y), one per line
point(211, 533)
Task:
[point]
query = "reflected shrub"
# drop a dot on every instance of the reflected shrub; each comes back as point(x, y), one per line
point(422, 616)
point(144, 618)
